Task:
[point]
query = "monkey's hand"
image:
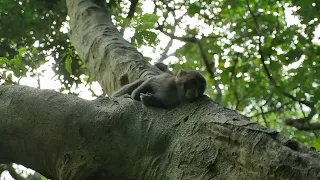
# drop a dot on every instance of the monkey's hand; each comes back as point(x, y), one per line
point(129, 88)
point(145, 97)
point(149, 99)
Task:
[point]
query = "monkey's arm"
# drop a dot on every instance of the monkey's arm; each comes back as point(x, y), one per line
point(145, 87)
point(129, 88)
point(151, 100)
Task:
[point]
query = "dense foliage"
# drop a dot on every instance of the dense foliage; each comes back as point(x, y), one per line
point(261, 59)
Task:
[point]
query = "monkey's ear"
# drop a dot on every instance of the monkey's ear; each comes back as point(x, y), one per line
point(182, 73)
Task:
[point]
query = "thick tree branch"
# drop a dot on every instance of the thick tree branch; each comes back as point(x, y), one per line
point(70, 138)
point(40, 127)
point(64, 137)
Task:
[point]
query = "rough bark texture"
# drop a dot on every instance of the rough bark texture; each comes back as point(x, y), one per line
point(112, 60)
point(68, 138)
point(64, 137)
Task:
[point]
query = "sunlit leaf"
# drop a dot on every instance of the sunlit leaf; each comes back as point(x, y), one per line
point(3, 60)
point(148, 21)
point(68, 64)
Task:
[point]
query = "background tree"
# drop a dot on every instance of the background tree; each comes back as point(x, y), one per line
point(254, 61)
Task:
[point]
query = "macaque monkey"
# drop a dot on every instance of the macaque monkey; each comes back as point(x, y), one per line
point(165, 90)
point(162, 67)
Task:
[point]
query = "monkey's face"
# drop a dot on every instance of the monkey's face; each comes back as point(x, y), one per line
point(194, 84)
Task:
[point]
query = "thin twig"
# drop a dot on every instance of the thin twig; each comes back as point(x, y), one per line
point(8, 80)
point(131, 12)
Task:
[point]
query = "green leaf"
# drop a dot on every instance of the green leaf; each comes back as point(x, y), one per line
point(149, 36)
point(68, 64)
point(3, 60)
point(194, 9)
point(146, 36)
point(9, 76)
point(317, 144)
point(22, 50)
point(16, 60)
point(148, 21)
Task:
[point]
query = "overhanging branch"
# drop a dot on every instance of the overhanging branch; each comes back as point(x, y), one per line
point(211, 68)
point(173, 30)
point(304, 123)
point(132, 10)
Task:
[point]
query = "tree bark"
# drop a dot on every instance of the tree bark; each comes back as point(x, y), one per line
point(68, 138)
point(65, 137)
point(111, 59)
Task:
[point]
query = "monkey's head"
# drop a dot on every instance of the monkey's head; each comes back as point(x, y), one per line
point(192, 83)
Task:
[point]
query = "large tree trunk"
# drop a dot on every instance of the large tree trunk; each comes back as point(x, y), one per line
point(112, 60)
point(65, 137)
